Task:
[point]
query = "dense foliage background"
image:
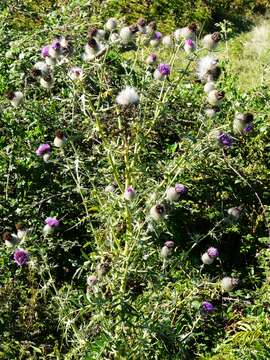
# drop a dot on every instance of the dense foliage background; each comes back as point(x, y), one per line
point(142, 307)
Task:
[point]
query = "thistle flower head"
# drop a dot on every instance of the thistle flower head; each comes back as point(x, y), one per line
point(151, 59)
point(207, 306)
point(43, 149)
point(193, 27)
point(76, 73)
point(19, 226)
point(56, 45)
point(52, 222)
point(7, 236)
point(59, 134)
point(127, 96)
point(133, 28)
point(216, 36)
point(190, 42)
point(92, 32)
point(181, 189)
point(92, 43)
point(153, 25)
point(169, 244)
point(111, 24)
point(141, 22)
point(248, 128)
point(21, 257)
point(45, 51)
point(91, 280)
point(129, 193)
point(164, 69)
point(212, 252)
point(157, 35)
point(225, 139)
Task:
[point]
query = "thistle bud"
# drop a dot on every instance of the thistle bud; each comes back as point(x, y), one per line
point(167, 41)
point(224, 139)
point(111, 24)
point(130, 193)
point(167, 249)
point(15, 97)
point(209, 256)
point(141, 23)
point(156, 39)
point(21, 231)
point(235, 213)
point(10, 239)
point(59, 140)
point(76, 73)
point(151, 59)
point(91, 280)
point(174, 193)
point(189, 46)
point(228, 284)
point(158, 212)
point(51, 224)
point(215, 97)
point(242, 123)
point(210, 41)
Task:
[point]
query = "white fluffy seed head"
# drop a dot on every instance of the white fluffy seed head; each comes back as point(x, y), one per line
point(46, 157)
point(206, 64)
point(127, 96)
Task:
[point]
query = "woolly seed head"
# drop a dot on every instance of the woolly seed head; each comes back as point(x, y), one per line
point(127, 96)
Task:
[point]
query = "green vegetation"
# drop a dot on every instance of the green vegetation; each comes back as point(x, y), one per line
point(98, 286)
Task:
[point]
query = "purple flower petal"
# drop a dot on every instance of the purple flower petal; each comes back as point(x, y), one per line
point(43, 149)
point(52, 222)
point(21, 257)
point(164, 69)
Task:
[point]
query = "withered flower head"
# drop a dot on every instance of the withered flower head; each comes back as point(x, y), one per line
point(193, 27)
point(10, 95)
point(216, 36)
point(59, 133)
point(92, 32)
point(19, 226)
point(92, 43)
point(133, 28)
point(7, 236)
point(141, 22)
point(153, 25)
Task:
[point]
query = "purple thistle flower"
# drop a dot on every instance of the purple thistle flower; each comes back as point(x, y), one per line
point(207, 306)
point(52, 222)
point(181, 189)
point(45, 51)
point(56, 45)
point(153, 57)
point(190, 43)
point(129, 193)
point(43, 149)
point(248, 128)
point(21, 257)
point(164, 69)
point(212, 252)
point(157, 35)
point(225, 139)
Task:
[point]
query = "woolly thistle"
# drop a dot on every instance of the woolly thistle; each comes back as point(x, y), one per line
point(127, 96)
